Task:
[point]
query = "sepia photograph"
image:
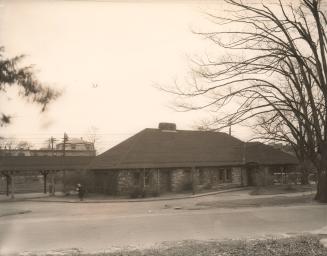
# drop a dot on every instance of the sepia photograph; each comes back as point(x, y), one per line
point(163, 127)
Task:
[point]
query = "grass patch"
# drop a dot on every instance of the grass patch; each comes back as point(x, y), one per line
point(296, 246)
point(282, 189)
point(293, 246)
point(258, 202)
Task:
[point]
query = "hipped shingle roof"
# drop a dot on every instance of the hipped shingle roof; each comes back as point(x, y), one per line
point(154, 148)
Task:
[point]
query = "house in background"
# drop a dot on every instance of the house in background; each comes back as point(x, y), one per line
point(71, 147)
point(170, 160)
point(283, 147)
point(76, 146)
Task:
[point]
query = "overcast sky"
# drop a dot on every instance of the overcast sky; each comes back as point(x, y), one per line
point(106, 56)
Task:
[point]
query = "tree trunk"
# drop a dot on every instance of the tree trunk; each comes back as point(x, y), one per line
point(12, 186)
point(7, 184)
point(304, 177)
point(45, 182)
point(321, 195)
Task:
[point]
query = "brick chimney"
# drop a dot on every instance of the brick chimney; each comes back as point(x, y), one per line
point(167, 127)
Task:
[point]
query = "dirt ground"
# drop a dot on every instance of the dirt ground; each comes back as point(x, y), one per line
point(90, 227)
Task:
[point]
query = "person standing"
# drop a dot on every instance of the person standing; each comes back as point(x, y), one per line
point(80, 191)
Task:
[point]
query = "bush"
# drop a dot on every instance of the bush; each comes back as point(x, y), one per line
point(207, 186)
point(154, 193)
point(292, 178)
point(78, 177)
point(187, 186)
point(137, 192)
point(263, 179)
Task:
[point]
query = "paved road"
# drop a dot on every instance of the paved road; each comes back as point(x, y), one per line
point(96, 227)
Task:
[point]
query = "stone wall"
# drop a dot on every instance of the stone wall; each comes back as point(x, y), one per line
point(219, 177)
point(237, 176)
point(144, 181)
point(205, 178)
point(125, 182)
point(179, 178)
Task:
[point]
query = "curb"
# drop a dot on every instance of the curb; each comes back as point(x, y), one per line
point(20, 199)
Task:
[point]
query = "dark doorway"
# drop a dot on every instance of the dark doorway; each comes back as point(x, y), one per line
point(165, 180)
point(105, 182)
point(251, 171)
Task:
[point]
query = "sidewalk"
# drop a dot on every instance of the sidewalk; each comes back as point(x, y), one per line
point(61, 198)
point(23, 196)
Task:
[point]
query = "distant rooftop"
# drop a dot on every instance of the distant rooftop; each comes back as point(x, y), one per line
point(76, 141)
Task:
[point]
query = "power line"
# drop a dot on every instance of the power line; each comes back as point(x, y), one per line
point(272, 2)
point(47, 134)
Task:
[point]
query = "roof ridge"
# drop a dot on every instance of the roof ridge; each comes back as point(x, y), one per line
point(183, 130)
point(136, 138)
point(120, 143)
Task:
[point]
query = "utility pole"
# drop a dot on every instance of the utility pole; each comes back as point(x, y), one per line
point(12, 185)
point(244, 153)
point(52, 174)
point(52, 140)
point(65, 139)
point(230, 128)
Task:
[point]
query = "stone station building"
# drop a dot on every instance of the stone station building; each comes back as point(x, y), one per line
point(162, 160)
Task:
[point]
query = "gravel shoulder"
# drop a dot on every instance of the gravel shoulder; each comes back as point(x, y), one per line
point(300, 245)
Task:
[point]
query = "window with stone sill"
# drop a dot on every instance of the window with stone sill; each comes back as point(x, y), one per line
point(136, 178)
point(147, 178)
point(221, 175)
point(201, 177)
point(229, 175)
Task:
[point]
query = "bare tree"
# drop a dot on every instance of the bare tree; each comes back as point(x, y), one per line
point(8, 143)
point(276, 68)
point(13, 143)
point(273, 129)
point(24, 145)
point(11, 74)
point(93, 136)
